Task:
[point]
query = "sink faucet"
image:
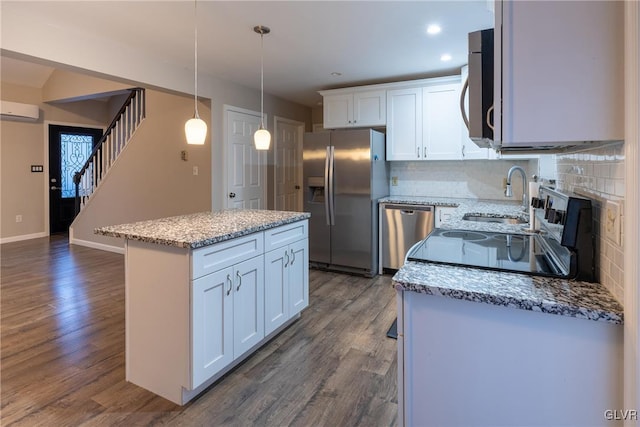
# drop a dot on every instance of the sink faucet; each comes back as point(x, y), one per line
point(509, 193)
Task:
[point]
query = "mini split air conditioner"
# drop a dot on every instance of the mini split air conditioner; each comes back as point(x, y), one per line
point(18, 111)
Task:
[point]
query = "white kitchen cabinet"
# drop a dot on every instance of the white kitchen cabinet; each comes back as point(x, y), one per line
point(212, 324)
point(194, 314)
point(557, 81)
point(404, 124)
point(350, 108)
point(443, 214)
point(248, 305)
point(441, 123)
point(287, 279)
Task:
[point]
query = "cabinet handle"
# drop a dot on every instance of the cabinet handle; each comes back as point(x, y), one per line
point(463, 151)
point(230, 284)
point(239, 280)
point(293, 256)
point(418, 152)
point(425, 153)
point(489, 117)
point(286, 254)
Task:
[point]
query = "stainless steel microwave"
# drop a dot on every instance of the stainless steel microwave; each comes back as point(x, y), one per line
point(480, 87)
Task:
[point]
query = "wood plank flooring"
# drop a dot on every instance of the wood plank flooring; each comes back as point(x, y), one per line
point(62, 352)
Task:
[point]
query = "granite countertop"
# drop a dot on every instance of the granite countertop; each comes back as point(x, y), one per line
point(549, 295)
point(488, 208)
point(203, 228)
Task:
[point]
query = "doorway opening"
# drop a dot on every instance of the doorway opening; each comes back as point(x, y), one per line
point(69, 149)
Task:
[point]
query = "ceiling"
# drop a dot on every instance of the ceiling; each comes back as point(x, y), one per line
point(364, 41)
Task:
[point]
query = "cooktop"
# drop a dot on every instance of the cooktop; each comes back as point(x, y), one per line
point(489, 250)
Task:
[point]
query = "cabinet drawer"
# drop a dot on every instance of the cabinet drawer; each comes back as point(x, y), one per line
point(221, 255)
point(281, 236)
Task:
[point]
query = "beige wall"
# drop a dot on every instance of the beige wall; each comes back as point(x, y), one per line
point(23, 144)
point(227, 93)
point(66, 86)
point(149, 180)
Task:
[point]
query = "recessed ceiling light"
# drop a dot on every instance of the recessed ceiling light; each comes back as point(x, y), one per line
point(446, 57)
point(336, 74)
point(433, 29)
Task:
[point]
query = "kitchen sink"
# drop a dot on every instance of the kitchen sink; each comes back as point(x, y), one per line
point(499, 220)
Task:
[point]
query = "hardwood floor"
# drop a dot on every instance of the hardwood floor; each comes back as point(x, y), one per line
point(62, 352)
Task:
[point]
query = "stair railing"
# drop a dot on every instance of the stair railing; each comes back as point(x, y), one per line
point(109, 147)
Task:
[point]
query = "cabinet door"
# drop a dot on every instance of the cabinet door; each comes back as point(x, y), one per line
point(298, 276)
point(370, 108)
point(337, 111)
point(276, 293)
point(404, 124)
point(248, 304)
point(441, 126)
point(211, 325)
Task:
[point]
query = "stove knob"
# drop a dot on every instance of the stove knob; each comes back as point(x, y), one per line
point(537, 202)
point(550, 215)
point(559, 217)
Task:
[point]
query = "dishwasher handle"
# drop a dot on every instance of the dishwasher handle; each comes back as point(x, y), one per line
point(408, 209)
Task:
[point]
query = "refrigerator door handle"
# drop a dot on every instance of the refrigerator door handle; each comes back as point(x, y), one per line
point(331, 185)
point(327, 191)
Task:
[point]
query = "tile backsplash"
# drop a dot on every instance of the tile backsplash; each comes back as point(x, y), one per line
point(470, 179)
point(599, 175)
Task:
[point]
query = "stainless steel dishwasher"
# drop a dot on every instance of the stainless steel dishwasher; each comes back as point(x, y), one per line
point(402, 226)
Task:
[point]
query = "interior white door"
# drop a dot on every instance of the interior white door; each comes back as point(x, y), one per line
point(246, 166)
point(288, 166)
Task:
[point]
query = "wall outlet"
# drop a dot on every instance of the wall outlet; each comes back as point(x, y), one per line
point(394, 180)
point(195, 170)
point(18, 218)
point(612, 221)
point(184, 155)
point(504, 183)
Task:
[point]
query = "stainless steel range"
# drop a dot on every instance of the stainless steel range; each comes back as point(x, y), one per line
point(564, 247)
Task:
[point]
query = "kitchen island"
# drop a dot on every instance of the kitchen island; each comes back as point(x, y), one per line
point(489, 348)
point(204, 291)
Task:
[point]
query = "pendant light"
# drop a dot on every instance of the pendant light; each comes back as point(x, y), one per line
point(195, 129)
point(262, 137)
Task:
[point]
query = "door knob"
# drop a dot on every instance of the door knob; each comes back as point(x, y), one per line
point(232, 195)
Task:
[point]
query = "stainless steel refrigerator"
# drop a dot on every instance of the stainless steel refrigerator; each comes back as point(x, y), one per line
point(345, 173)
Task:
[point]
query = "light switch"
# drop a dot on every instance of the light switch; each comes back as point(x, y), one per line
point(394, 180)
point(195, 170)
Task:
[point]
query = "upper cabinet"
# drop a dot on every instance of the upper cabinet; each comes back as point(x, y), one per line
point(558, 73)
point(404, 124)
point(354, 108)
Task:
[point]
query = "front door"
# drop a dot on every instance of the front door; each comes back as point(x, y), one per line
point(69, 149)
point(246, 166)
point(288, 165)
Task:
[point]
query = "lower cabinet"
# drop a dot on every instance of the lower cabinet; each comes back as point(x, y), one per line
point(194, 314)
point(227, 316)
point(286, 284)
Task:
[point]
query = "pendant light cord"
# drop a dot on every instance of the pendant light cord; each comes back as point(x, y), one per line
point(262, 80)
point(195, 75)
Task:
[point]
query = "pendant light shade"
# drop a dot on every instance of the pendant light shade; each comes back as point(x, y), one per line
point(195, 129)
point(262, 137)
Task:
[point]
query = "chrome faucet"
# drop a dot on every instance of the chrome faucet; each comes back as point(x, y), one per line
point(509, 193)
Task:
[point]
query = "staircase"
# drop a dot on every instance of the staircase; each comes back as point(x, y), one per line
point(104, 154)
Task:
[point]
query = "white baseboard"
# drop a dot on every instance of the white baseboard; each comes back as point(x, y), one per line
point(94, 245)
point(23, 237)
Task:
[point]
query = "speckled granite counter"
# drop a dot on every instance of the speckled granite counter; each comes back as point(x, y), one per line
point(203, 228)
point(488, 208)
point(548, 295)
point(535, 293)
